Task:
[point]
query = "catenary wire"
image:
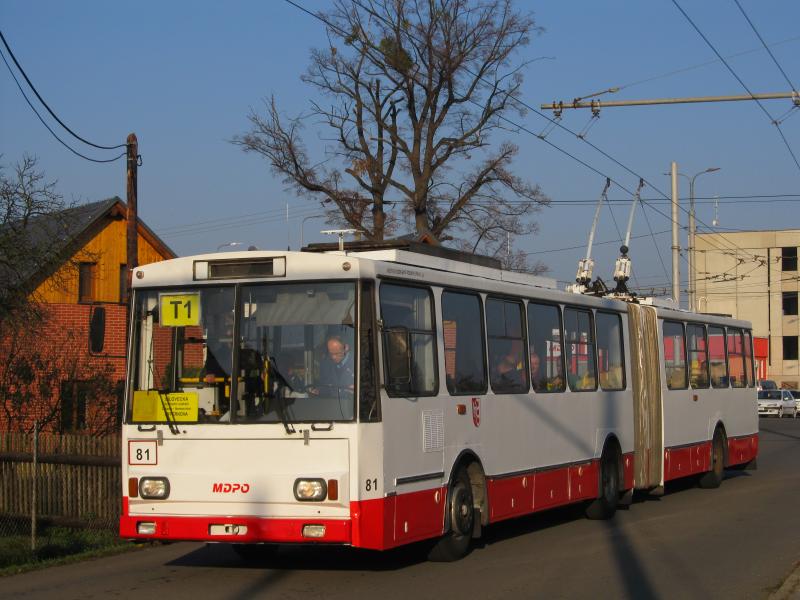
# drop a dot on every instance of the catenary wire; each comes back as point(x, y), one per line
point(552, 121)
point(763, 43)
point(739, 79)
point(60, 122)
point(53, 133)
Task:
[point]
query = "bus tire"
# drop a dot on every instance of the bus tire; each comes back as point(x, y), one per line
point(713, 478)
point(606, 503)
point(455, 543)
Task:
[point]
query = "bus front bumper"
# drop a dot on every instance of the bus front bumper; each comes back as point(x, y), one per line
point(236, 529)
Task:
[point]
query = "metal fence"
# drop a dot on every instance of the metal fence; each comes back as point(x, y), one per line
point(59, 493)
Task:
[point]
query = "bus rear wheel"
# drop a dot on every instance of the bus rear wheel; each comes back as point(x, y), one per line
point(461, 514)
point(605, 505)
point(713, 478)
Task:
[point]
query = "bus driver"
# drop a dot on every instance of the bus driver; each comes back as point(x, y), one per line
point(336, 368)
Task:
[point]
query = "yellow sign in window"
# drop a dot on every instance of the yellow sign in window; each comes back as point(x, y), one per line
point(154, 407)
point(179, 310)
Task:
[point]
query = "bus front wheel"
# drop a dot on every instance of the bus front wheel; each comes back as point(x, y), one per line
point(461, 515)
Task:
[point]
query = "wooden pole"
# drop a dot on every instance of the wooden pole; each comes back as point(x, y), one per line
point(132, 246)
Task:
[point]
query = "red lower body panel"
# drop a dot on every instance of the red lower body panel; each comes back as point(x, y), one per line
point(384, 523)
point(742, 450)
point(696, 458)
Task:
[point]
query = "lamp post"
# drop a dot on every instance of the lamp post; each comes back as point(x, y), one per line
point(303, 222)
point(692, 231)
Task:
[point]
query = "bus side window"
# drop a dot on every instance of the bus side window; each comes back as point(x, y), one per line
point(674, 355)
point(580, 346)
point(410, 308)
point(508, 369)
point(736, 358)
point(464, 343)
point(748, 358)
point(698, 355)
point(610, 353)
point(716, 351)
point(546, 355)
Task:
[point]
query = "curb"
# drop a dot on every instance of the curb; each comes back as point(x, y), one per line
point(790, 589)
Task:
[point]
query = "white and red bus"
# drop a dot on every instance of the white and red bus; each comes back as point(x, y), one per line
point(378, 396)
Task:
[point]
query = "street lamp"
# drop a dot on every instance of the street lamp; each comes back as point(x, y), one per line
point(303, 222)
point(229, 245)
point(692, 231)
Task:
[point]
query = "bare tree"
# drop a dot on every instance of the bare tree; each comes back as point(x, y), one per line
point(39, 353)
point(417, 88)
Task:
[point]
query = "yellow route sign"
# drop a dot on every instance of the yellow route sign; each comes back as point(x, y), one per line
point(181, 407)
point(179, 310)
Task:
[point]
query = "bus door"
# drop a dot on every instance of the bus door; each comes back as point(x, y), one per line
point(648, 407)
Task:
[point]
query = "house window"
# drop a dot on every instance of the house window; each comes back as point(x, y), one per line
point(790, 348)
point(789, 258)
point(789, 303)
point(73, 405)
point(86, 277)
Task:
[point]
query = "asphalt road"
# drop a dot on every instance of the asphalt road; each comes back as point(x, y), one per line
point(739, 541)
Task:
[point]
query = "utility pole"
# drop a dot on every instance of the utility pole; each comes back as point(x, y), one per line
point(676, 271)
point(132, 246)
point(692, 232)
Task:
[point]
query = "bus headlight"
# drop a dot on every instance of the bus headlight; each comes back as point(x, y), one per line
point(154, 488)
point(310, 490)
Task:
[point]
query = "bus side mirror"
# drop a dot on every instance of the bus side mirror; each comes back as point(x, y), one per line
point(398, 359)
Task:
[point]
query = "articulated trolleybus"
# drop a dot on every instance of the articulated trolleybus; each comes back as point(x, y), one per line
point(380, 395)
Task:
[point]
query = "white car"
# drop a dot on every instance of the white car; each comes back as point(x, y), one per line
point(776, 402)
point(796, 396)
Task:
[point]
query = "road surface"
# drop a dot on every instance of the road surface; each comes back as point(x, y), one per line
point(739, 541)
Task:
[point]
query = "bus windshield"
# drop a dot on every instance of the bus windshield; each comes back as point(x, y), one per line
point(291, 345)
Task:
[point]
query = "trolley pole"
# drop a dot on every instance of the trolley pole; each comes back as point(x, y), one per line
point(676, 271)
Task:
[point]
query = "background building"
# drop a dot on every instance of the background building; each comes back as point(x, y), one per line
point(753, 275)
point(64, 365)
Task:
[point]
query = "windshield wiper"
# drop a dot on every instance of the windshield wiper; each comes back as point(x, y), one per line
point(283, 385)
point(169, 414)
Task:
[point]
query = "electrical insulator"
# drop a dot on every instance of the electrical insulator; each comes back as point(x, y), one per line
point(622, 269)
point(585, 267)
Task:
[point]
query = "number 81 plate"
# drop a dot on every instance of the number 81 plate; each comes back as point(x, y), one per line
point(142, 453)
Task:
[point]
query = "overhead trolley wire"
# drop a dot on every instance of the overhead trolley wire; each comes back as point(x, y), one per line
point(53, 133)
point(739, 79)
point(763, 43)
point(35, 91)
point(553, 122)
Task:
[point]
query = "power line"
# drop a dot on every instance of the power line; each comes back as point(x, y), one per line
point(704, 64)
point(542, 138)
point(53, 133)
point(739, 79)
point(763, 43)
point(60, 122)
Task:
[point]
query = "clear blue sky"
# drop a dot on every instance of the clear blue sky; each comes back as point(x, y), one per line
point(183, 76)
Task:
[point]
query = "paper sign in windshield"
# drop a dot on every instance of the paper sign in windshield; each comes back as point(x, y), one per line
point(179, 310)
point(152, 407)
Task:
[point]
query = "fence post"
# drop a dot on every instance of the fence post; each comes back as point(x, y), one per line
point(35, 483)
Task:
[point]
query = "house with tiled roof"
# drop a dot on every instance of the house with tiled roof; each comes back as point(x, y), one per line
point(55, 371)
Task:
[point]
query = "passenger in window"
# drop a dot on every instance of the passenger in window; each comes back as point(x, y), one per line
point(508, 373)
point(537, 379)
